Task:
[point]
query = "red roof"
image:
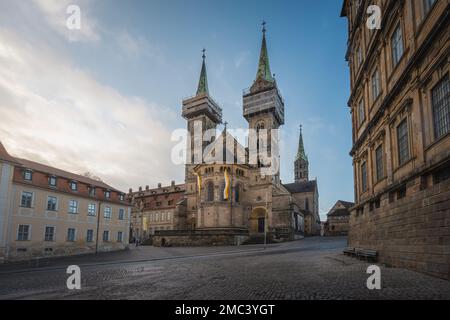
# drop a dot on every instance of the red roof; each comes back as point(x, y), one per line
point(5, 156)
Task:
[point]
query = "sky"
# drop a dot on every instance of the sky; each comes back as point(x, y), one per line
point(106, 98)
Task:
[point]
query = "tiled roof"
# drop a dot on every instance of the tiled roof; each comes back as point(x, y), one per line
point(339, 212)
point(304, 186)
point(65, 174)
point(5, 156)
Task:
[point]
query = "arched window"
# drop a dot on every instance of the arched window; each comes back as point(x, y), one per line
point(237, 193)
point(222, 189)
point(210, 192)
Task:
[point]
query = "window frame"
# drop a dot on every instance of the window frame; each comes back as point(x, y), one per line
point(55, 204)
point(364, 181)
point(31, 198)
point(91, 213)
point(108, 210)
point(91, 238)
point(19, 233)
point(379, 163)
point(71, 206)
point(68, 239)
point(53, 234)
point(394, 45)
point(403, 139)
point(28, 172)
point(103, 236)
point(445, 82)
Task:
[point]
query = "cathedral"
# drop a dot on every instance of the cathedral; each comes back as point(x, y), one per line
point(231, 202)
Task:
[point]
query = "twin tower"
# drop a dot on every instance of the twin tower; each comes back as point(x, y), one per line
point(263, 108)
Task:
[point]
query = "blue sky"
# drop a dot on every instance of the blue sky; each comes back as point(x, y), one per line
point(117, 84)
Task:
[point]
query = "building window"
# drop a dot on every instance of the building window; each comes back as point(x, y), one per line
point(91, 209)
point(51, 203)
point(92, 191)
point(237, 193)
point(119, 236)
point(158, 204)
point(397, 45)
point(49, 234)
point(440, 100)
point(106, 235)
point(170, 202)
point(107, 213)
point(379, 163)
point(121, 214)
point(364, 176)
point(427, 5)
point(359, 55)
point(210, 192)
point(73, 186)
point(23, 233)
point(26, 200)
point(361, 112)
point(28, 175)
point(90, 235)
point(121, 197)
point(402, 142)
point(52, 181)
point(375, 85)
point(71, 234)
point(107, 194)
point(169, 215)
point(73, 206)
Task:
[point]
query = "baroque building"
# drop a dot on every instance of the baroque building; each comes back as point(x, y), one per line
point(234, 195)
point(400, 108)
point(45, 212)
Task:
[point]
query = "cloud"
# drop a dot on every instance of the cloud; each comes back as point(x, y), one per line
point(53, 112)
point(55, 14)
point(241, 58)
point(137, 46)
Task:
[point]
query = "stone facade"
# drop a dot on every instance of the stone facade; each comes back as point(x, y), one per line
point(46, 212)
point(400, 110)
point(338, 219)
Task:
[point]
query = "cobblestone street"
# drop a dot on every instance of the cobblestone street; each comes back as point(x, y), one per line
point(313, 268)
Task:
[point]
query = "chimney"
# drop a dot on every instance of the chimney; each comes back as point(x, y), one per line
point(130, 190)
point(140, 189)
point(173, 183)
point(147, 188)
point(159, 185)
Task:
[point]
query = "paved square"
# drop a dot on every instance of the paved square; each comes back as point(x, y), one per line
point(313, 268)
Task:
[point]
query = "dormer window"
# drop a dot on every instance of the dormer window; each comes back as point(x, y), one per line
point(73, 186)
point(52, 181)
point(92, 191)
point(107, 194)
point(28, 175)
point(121, 197)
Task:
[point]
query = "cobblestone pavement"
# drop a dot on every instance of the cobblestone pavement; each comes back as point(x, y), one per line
point(313, 268)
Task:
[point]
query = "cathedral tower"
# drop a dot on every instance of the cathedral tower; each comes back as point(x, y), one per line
point(202, 113)
point(301, 164)
point(263, 106)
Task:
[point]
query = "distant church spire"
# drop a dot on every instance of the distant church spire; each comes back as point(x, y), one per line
point(263, 66)
point(301, 154)
point(203, 81)
point(301, 164)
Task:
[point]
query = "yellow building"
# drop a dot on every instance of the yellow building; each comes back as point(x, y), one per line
point(46, 211)
point(400, 106)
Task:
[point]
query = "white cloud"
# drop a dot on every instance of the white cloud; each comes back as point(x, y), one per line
point(56, 16)
point(53, 112)
point(241, 58)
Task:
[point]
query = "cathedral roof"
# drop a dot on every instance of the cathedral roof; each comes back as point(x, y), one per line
point(203, 81)
point(303, 186)
point(339, 213)
point(263, 65)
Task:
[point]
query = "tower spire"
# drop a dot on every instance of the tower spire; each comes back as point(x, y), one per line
point(263, 66)
point(301, 154)
point(203, 81)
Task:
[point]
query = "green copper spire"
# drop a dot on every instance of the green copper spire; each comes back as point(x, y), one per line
point(263, 66)
point(203, 81)
point(301, 149)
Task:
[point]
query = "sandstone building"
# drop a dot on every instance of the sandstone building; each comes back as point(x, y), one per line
point(338, 219)
point(232, 202)
point(46, 211)
point(400, 107)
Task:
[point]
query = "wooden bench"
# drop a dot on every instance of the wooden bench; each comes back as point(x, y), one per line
point(349, 251)
point(367, 254)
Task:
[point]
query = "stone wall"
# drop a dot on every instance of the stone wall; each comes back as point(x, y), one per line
point(412, 232)
point(191, 238)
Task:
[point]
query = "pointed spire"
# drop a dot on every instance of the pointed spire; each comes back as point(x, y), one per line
point(301, 149)
point(263, 66)
point(203, 81)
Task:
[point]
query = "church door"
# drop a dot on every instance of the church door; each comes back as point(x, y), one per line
point(261, 225)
